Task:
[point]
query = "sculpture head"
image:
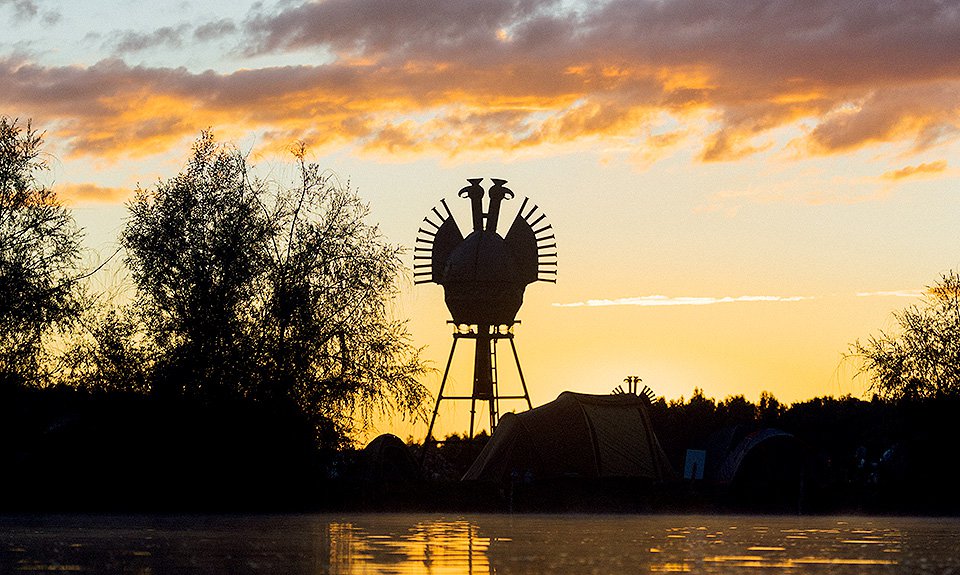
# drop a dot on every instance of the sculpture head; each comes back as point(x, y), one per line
point(484, 275)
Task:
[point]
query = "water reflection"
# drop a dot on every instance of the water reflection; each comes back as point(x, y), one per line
point(399, 544)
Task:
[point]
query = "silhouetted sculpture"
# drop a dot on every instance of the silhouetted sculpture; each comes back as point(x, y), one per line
point(484, 276)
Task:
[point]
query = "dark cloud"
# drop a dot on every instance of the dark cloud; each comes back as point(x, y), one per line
point(762, 63)
point(214, 30)
point(25, 10)
point(824, 41)
point(22, 9)
point(390, 29)
point(173, 37)
point(167, 37)
point(926, 112)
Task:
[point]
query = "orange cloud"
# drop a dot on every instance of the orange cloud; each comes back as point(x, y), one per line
point(91, 193)
point(915, 171)
point(451, 76)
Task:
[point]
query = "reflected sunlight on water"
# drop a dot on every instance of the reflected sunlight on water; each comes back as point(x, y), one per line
point(400, 544)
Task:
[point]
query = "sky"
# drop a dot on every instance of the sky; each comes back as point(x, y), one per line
point(739, 188)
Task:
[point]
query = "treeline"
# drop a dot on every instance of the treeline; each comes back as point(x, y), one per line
point(244, 290)
point(838, 427)
point(849, 455)
point(877, 455)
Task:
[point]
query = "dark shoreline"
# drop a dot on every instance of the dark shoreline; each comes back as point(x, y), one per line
point(569, 497)
point(69, 451)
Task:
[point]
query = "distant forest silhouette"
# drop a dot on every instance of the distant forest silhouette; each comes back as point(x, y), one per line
point(259, 342)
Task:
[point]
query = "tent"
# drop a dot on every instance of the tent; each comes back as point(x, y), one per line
point(776, 448)
point(388, 459)
point(769, 469)
point(576, 435)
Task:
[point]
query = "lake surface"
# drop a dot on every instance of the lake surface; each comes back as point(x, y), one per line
point(410, 543)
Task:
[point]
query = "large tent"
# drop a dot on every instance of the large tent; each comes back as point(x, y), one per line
point(576, 435)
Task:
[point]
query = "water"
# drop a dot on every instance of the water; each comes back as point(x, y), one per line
point(399, 544)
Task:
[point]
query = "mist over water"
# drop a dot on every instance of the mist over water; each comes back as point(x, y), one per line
point(410, 543)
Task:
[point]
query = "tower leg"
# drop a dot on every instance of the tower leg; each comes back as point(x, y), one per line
point(493, 415)
point(495, 397)
point(473, 412)
point(482, 364)
point(485, 384)
point(436, 408)
point(523, 382)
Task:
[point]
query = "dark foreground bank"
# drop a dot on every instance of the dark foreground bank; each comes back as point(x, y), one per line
point(68, 451)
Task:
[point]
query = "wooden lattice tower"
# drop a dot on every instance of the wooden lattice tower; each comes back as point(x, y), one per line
point(484, 277)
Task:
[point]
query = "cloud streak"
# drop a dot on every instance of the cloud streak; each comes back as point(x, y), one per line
point(669, 301)
point(925, 169)
point(663, 301)
point(895, 293)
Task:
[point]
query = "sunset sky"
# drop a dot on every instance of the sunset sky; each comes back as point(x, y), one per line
point(739, 189)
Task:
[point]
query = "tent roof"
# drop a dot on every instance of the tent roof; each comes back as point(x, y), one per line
point(387, 458)
point(734, 460)
point(576, 435)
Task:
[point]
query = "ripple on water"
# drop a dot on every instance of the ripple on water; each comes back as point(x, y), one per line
point(400, 544)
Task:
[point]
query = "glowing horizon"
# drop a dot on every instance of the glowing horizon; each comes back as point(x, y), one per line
point(795, 162)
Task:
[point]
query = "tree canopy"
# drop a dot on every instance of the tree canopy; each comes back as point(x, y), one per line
point(40, 247)
point(246, 289)
point(921, 358)
point(282, 294)
point(194, 247)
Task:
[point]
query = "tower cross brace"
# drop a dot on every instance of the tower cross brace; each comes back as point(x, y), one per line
point(485, 384)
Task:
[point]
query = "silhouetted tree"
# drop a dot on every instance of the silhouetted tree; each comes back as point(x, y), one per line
point(736, 410)
point(769, 410)
point(275, 293)
point(110, 353)
point(922, 357)
point(39, 252)
point(195, 247)
point(328, 339)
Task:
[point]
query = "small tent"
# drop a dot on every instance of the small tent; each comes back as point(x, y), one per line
point(576, 435)
point(388, 459)
point(774, 447)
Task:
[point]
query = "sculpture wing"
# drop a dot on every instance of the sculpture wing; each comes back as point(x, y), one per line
point(438, 242)
point(533, 245)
